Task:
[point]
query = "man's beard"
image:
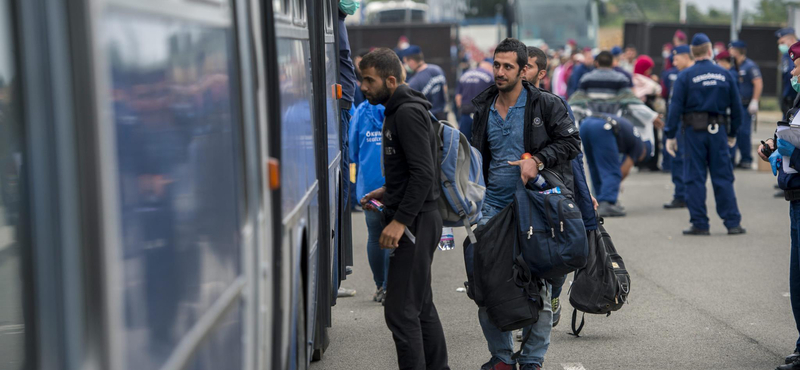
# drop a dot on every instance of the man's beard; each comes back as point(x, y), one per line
point(381, 96)
point(509, 86)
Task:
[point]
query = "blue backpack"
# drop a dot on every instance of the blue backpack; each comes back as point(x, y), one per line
point(461, 177)
point(551, 232)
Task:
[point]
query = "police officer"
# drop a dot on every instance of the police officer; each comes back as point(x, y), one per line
point(428, 79)
point(681, 60)
point(790, 183)
point(750, 87)
point(786, 38)
point(471, 83)
point(701, 96)
point(668, 77)
point(612, 146)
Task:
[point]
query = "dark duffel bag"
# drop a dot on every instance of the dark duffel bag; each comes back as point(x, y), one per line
point(604, 284)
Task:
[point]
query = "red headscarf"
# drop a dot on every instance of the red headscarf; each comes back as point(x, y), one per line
point(643, 63)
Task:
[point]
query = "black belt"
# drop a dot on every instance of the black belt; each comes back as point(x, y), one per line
point(791, 194)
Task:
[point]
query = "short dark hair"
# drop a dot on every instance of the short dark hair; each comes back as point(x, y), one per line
point(419, 58)
point(541, 57)
point(604, 59)
point(385, 62)
point(514, 46)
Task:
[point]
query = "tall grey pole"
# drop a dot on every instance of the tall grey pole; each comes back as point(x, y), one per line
point(683, 12)
point(735, 21)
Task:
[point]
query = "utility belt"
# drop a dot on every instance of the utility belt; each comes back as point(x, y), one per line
point(704, 121)
point(791, 194)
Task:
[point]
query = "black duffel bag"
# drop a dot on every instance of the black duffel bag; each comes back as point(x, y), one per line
point(604, 284)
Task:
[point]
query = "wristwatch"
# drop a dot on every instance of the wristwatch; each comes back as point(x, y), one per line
point(538, 162)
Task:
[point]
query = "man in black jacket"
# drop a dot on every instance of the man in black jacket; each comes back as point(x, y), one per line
point(512, 118)
point(411, 215)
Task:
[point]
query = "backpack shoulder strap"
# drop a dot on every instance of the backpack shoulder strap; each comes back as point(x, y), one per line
point(577, 331)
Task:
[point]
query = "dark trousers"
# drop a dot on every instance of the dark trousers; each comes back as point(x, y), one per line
point(410, 313)
point(677, 168)
point(794, 265)
point(709, 153)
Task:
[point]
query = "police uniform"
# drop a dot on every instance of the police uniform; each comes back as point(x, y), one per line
point(675, 164)
point(667, 79)
point(701, 96)
point(746, 73)
point(607, 141)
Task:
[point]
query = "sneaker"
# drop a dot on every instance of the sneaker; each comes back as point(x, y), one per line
point(518, 335)
point(556, 311)
point(498, 364)
point(529, 367)
point(793, 357)
point(695, 231)
point(345, 292)
point(606, 209)
point(738, 230)
point(795, 365)
point(380, 295)
point(675, 203)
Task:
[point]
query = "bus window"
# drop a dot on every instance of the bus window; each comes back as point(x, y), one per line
point(328, 18)
point(179, 161)
point(298, 171)
point(15, 287)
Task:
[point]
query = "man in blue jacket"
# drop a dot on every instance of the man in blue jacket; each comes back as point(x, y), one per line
point(790, 183)
point(365, 152)
point(750, 87)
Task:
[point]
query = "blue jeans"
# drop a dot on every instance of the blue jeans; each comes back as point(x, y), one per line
point(501, 343)
point(378, 258)
point(558, 284)
point(794, 266)
point(677, 168)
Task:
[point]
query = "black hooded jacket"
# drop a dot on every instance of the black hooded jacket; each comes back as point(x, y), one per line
point(555, 140)
point(409, 156)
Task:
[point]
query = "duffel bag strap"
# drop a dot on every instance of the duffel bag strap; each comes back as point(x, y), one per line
point(525, 338)
point(577, 332)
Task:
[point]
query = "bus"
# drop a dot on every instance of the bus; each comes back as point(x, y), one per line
point(170, 184)
point(405, 11)
point(556, 21)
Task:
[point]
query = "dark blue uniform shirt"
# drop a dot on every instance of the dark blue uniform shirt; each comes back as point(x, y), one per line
point(575, 79)
point(347, 73)
point(472, 83)
point(748, 72)
point(704, 87)
point(431, 82)
point(786, 74)
point(669, 76)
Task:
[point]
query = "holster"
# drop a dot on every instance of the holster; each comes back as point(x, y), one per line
point(700, 121)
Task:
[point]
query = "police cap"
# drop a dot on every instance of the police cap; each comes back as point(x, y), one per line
point(739, 44)
point(700, 39)
point(784, 31)
point(683, 49)
point(616, 51)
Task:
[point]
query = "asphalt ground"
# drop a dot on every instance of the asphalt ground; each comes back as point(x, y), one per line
point(716, 302)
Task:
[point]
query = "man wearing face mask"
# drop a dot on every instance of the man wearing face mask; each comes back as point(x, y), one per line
point(428, 79)
point(347, 78)
point(790, 183)
point(786, 38)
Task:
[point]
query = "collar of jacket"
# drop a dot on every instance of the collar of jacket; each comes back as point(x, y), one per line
point(486, 98)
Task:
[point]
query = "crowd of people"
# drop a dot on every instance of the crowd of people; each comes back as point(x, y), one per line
point(690, 120)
